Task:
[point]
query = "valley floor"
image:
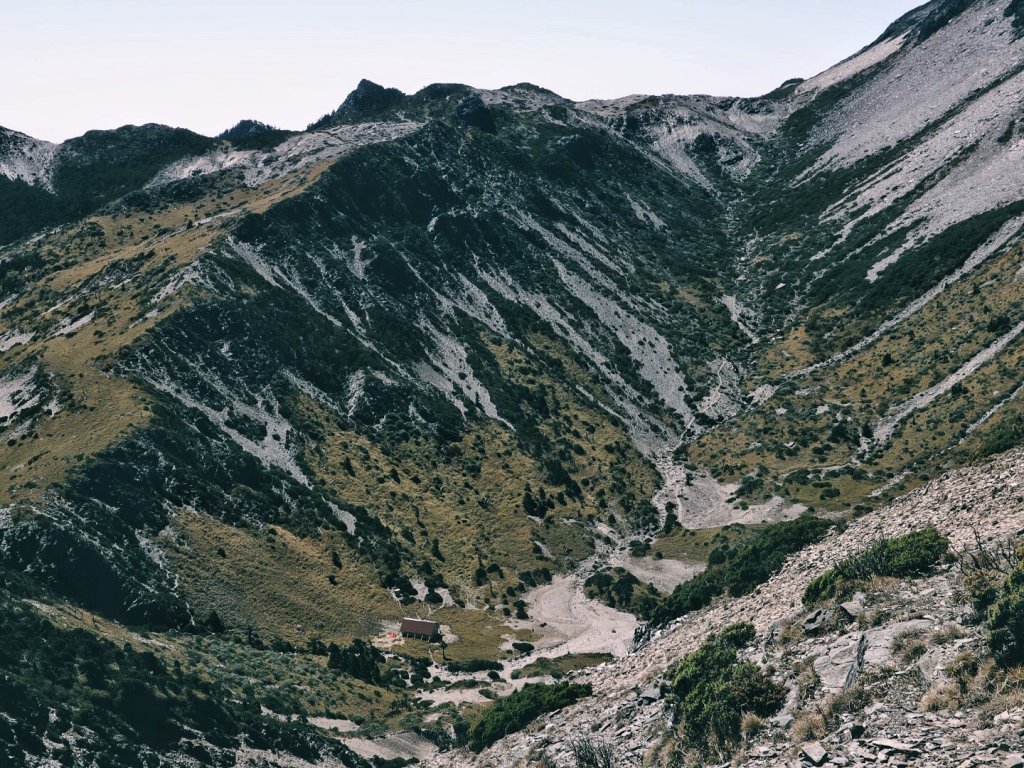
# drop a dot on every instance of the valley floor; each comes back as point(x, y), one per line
point(567, 621)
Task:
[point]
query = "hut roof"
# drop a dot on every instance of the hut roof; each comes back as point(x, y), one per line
point(419, 627)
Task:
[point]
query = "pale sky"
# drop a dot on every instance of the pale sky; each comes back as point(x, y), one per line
point(72, 65)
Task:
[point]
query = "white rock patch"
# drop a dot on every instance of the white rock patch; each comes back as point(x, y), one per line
point(17, 394)
point(13, 339)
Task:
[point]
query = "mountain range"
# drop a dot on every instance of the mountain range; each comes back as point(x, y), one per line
point(471, 355)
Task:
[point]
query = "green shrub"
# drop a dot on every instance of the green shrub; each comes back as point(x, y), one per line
point(822, 587)
point(714, 690)
point(618, 588)
point(744, 568)
point(903, 557)
point(1006, 621)
point(474, 665)
point(519, 709)
point(1006, 434)
point(588, 753)
point(359, 659)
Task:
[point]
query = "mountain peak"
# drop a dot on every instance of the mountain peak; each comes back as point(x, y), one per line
point(367, 100)
point(245, 129)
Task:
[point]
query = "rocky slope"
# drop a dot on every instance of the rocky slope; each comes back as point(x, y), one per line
point(442, 347)
point(978, 504)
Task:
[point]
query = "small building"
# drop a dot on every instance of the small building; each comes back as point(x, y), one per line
point(420, 629)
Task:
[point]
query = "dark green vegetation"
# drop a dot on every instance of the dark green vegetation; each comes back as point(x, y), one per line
point(1007, 434)
point(995, 583)
point(618, 588)
point(743, 568)
point(252, 134)
point(475, 665)
point(1006, 621)
point(560, 666)
point(519, 709)
point(915, 554)
point(124, 705)
point(359, 659)
point(713, 689)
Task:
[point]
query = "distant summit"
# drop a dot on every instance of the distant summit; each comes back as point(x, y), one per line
point(366, 101)
point(245, 129)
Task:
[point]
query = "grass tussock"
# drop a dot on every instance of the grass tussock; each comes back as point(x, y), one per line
point(915, 554)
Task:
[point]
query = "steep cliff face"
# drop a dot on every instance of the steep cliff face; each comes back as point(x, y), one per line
point(442, 346)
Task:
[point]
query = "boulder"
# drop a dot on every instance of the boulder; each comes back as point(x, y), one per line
point(650, 693)
point(878, 650)
point(839, 666)
point(853, 607)
point(814, 752)
point(816, 621)
point(930, 665)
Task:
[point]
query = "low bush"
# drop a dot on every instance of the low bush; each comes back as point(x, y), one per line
point(620, 589)
point(847, 702)
point(979, 683)
point(588, 753)
point(910, 645)
point(714, 691)
point(1005, 619)
point(915, 554)
point(743, 569)
point(359, 659)
point(519, 709)
point(807, 726)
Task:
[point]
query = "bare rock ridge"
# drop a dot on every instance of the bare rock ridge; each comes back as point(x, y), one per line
point(368, 100)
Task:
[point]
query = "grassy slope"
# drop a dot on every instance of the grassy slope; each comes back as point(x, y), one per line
point(110, 265)
point(924, 350)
